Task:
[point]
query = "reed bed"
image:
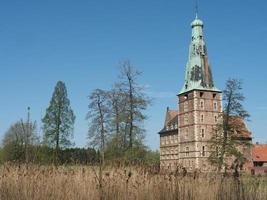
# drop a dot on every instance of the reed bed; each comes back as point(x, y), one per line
point(81, 182)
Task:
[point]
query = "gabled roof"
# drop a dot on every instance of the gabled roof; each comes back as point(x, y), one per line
point(171, 120)
point(259, 153)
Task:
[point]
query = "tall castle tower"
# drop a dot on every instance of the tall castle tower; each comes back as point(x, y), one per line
point(186, 132)
point(184, 139)
point(199, 105)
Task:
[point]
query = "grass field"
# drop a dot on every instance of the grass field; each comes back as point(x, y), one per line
point(81, 182)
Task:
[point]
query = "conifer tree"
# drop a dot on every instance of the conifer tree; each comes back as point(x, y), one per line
point(58, 122)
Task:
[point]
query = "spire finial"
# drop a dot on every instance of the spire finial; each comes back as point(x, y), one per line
point(196, 7)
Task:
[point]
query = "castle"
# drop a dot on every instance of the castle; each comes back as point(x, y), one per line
point(186, 133)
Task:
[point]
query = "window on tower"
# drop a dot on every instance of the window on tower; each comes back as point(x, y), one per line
point(203, 150)
point(202, 118)
point(215, 118)
point(185, 119)
point(186, 136)
point(202, 132)
point(217, 151)
point(185, 106)
point(187, 151)
point(202, 104)
point(215, 106)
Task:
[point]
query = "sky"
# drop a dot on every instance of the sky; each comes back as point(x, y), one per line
point(82, 43)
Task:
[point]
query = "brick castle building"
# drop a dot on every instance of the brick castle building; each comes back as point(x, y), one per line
point(186, 132)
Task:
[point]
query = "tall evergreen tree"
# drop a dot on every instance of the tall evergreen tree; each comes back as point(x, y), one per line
point(58, 122)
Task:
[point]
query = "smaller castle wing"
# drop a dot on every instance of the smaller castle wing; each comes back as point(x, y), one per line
point(171, 121)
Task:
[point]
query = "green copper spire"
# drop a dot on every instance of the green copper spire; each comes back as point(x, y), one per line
point(198, 72)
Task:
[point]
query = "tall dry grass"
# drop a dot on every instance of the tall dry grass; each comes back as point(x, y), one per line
point(80, 182)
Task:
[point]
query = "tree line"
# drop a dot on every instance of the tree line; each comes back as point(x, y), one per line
point(116, 128)
point(115, 133)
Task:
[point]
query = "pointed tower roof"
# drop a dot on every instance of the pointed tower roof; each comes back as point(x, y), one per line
point(198, 74)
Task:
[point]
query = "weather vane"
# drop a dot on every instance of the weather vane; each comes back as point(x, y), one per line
point(196, 9)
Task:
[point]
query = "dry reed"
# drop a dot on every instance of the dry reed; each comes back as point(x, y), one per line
point(80, 182)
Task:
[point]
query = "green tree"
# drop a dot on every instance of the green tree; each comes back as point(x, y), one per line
point(19, 142)
point(225, 141)
point(58, 122)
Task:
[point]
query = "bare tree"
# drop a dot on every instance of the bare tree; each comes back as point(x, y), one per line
point(137, 102)
point(98, 116)
point(118, 106)
point(227, 134)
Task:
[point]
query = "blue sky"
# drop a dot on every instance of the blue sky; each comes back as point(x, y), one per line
point(82, 42)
